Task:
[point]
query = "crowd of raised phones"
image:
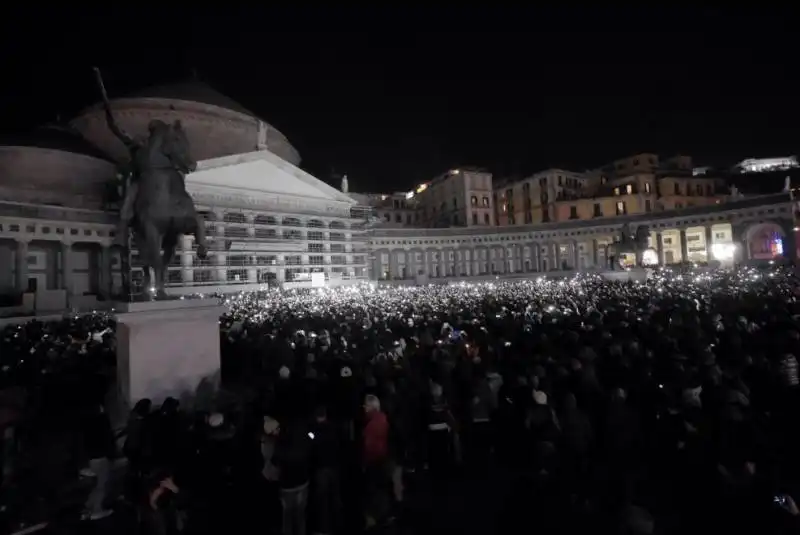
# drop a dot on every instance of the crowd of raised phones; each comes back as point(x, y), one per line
point(556, 406)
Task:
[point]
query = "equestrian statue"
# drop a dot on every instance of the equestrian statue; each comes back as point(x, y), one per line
point(156, 205)
point(629, 242)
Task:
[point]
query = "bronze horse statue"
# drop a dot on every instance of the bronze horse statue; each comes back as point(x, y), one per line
point(157, 206)
point(163, 211)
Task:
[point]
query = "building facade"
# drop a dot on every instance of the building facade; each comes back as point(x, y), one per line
point(750, 229)
point(457, 198)
point(638, 184)
point(265, 218)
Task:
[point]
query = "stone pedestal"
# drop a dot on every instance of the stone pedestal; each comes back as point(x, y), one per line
point(168, 348)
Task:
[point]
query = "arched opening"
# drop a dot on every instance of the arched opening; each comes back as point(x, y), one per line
point(765, 241)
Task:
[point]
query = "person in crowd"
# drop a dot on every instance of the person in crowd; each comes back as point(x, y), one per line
point(101, 451)
point(377, 467)
point(292, 458)
point(326, 459)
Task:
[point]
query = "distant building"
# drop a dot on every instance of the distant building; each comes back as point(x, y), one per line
point(458, 198)
point(389, 209)
point(635, 185)
point(765, 165)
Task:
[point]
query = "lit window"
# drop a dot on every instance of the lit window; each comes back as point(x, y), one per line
point(647, 187)
point(629, 189)
point(616, 191)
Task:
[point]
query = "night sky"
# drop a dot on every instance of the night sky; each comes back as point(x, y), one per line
point(394, 97)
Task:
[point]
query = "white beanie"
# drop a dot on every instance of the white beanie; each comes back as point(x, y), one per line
point(346, 372)
point(539, 397)
point(284, 372)
point(216, 420)
point(270, 425)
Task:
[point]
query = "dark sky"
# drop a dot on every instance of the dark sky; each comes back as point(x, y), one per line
point(396, 96)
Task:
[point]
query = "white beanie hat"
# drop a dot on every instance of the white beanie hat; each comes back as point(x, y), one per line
point(284, 372)
point(216, 420)
point(346, 372)
point(539, 397)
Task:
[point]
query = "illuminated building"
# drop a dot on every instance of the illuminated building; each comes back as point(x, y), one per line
point(765, 165)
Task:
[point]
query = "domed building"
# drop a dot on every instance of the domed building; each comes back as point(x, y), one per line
point(216, 125)
point(266, 219)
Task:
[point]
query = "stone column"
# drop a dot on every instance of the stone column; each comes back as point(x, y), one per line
point(187, 261)
point(576, 264)
point(789, 240)
point(66, 268)
point(709, 243)
point(595, 254)
point(684, 247)
point(22, 266)
point(557, 255)
point(104, 273)
point(393, 269)
point(222, 269)
point(376, 266)
point(252, 270)
point(535, 263)
point(739, 236)
point(660, 248)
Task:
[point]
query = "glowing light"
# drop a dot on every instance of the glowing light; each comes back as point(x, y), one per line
point(650, 257)
point(421, 188)
point(723, 251)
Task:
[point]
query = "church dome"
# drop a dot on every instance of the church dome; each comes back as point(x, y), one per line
point(54, 165)
point(215, 124)
point(59, 138)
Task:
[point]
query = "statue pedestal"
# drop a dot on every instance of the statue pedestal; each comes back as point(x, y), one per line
point(168, 348)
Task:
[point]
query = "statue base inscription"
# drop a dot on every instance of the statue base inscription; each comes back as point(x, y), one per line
point(168, 348)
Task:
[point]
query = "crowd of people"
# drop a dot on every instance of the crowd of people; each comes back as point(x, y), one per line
point(558, 406)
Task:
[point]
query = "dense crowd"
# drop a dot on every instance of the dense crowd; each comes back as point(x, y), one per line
point(550, 405)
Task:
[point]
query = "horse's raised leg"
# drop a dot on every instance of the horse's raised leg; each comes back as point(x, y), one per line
point(200, 237)
point(168, 244)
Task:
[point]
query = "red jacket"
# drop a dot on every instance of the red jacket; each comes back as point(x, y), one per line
point(376, 437)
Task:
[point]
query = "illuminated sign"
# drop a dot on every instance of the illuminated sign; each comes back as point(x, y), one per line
point(409, 195)
point(421, 188)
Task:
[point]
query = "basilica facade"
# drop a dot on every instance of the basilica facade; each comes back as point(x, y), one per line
point(266, 219)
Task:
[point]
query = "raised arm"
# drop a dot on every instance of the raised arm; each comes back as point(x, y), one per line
point(112, 124)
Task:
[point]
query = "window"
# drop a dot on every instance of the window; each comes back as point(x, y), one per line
point(621, 208)
point(573, 212)
point(699, 189)
point(709, 190)
point(677, 189)
point(616, 191)
point(474, 218)
point(560, 180)
point(387, 217)
point(598, 211)
point(473, 200)
point(486, 218)
point(629, 189)
point(408, 219)
point(545, 215)
point(486, 201)
point(455, 203)
point(528, 218)
point(719, 235)
point(647, 207)
point(647, 187)
point(398, 218)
